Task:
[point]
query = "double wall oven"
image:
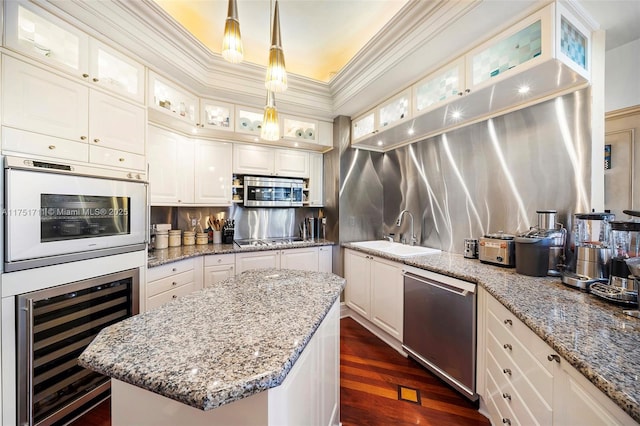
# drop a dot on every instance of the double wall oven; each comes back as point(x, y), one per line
point(74, 254)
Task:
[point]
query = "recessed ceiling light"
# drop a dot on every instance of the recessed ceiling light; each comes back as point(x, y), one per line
point(379, 143)
point(296, 144)
point(256, 139)
point(523, 89)
point(456, 114)
point(411, 131)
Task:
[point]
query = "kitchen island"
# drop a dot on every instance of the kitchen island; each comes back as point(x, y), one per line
point(262, 347)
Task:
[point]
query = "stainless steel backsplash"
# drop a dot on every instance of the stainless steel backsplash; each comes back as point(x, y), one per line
point(483, 178)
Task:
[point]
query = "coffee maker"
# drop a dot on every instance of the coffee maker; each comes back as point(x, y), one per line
point(624, 245)
point(590, 250)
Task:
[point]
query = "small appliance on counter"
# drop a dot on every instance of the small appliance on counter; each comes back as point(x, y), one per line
point(549, 227)
point(589, 263)
point(532, 253)
point(498, 249)
point(625, 245)
point(471, 248)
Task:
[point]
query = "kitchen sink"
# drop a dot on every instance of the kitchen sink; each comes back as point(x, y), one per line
point(396, 249)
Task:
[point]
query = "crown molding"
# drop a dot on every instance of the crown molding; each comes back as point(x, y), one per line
point(415, 24)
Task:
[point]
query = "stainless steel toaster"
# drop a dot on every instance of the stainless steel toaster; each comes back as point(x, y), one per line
point(497, 249)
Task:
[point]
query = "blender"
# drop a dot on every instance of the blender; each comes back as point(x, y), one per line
point(590, 247)
point(625, 246)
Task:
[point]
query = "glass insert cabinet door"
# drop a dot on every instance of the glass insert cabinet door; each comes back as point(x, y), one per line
point(216, 115)
point(42, 36)
point(173, 100)
point(363, 126)
point(116, 72)
point(439, 87)
point(395, 110)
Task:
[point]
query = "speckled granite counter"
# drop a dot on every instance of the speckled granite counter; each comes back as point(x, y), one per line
point(173, 254)
point(221, 344)
point(592, 335)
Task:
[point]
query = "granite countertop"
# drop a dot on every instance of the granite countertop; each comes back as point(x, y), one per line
point(594, 336)
point(173, 254)
point(220, 344)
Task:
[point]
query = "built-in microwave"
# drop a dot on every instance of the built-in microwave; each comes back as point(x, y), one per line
point(57, 213)
point(272, 192)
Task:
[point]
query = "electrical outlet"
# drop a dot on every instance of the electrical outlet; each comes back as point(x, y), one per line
point(194, 222)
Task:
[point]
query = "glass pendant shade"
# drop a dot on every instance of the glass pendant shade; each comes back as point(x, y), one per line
point(276, 80)
point(270, 125)
point(231, 41)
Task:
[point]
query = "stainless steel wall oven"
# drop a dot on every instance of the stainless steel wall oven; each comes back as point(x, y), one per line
point(54, 326)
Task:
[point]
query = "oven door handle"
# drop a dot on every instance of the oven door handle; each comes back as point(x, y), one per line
point(440, 285)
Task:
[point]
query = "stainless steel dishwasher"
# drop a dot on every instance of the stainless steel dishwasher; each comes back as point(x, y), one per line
point(440, 327)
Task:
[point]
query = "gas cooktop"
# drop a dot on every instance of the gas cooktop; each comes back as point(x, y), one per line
point(267, 241)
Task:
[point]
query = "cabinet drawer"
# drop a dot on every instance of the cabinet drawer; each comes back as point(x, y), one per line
point(496, 404)
point(534, 344)
point(219, 259)
point(533, 367)
point(43, 146)
point(169, 269)
point(168, 283)
point(538, 401)
point(168, 296)
point(115, 158)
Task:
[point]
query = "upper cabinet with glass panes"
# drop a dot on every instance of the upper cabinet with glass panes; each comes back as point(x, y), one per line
point(38, 34)
point(173, 102)
point(544, 54)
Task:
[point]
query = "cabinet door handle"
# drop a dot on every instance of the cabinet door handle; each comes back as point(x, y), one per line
point(467, 91)
point(219, 260)
point(174, 269)
point(95, 80)
point(85, 75)
point(174, 296)
point(83, 138)
point(96, 140)
point(52, 147)
point(507, 346)
point(508, 322)
point(506, 421)
point(506, 396)
point(121, 160)
point(553, 357)
point(506, 371)
point(174, 283)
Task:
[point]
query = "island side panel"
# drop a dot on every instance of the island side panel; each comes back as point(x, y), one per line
point(309, 394)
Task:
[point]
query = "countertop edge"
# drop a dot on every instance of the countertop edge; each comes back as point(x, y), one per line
point(161, 257)
point(610, 389)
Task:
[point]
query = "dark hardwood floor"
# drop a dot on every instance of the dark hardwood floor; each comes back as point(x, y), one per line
point(373, 377)
point(370, 376)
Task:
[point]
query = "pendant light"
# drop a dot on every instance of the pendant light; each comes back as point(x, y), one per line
point(276, 80)
point(231, 41)
point(270, 125)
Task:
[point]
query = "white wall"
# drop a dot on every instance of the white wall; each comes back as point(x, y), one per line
point(622, 76)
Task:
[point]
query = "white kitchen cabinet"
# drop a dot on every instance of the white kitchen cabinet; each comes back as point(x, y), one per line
point(266, 161)
point(171, 177)
point(40, 35)
point(171, 281)
point(257, 260)
point(375, 291)
point(302, 259)
point(291, 163)
point(218, 268)
point(171, 104)
point(249, 120)
point(363, 126)
point(212, 172)
point(42, 102)
point(298, 129)
point(315, 188)
point(47, 104)
point(216, 115)
point(15, 141)
point(440, 87)
point(183, 171)
point(526, 382)
point(325, 259)
point(115, 72)
point(116, 124)
point(253, 160)
point(325, 134)
point(395, 110)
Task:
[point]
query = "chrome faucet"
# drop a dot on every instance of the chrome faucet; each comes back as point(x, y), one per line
point(399, 222)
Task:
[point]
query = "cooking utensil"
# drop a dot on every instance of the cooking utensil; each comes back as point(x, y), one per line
point(634, 213)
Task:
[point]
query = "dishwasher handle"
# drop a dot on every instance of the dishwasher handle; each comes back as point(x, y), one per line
point(438, 284)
